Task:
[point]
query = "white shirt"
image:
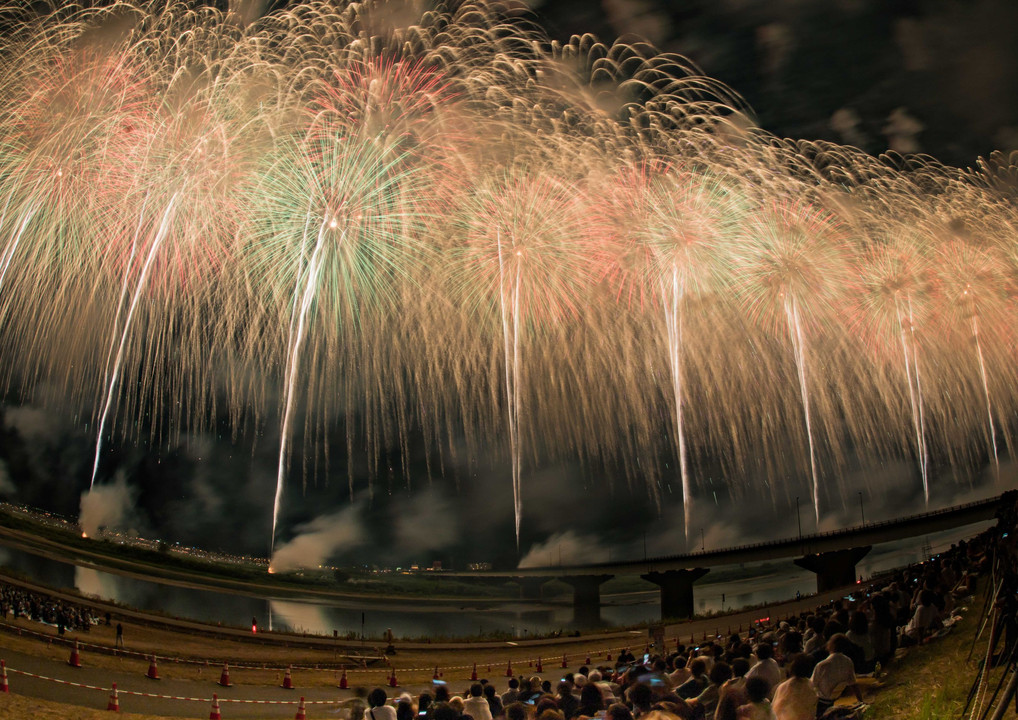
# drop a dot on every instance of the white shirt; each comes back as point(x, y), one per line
point(477, 708)
point(832, 675)
point(795, 699)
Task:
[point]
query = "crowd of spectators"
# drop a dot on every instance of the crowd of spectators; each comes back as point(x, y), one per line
point(794, 668)
point(16, 602)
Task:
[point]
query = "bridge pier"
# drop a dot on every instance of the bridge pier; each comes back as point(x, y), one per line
point(834, 569)
point(586, 596)
point(676, 590)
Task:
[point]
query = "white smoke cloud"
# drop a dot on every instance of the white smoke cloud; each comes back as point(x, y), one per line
point(320, 539)
point(106, 506)
point(429, 521)
point(567, 548)
point(33, 424)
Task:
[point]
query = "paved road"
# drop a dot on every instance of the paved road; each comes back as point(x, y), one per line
point(91, 688)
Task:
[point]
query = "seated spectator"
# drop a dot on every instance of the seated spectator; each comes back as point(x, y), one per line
point(494, 702)
point(706, 703)
point(476, 706)
point(859, 634)
point(767, 667)
point(758, 707)
point(377, 709)
point(697, 683)
point(567, 702)
point(835, 674)
point(591, 700)
point(512, 694)
point(405, 710)
point(795, 698)
point(733, 693)
point(925, 620)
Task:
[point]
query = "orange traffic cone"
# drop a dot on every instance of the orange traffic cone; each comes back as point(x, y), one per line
point(153, 671)
point(301, 714)
point(540, 667)
point(114, 704)
point(392, 679)
point(435, 676)
point(473, 674)
point(588, 660)
point(215, 714)
point(75, 659)
point(288, 679)
point(509, 669)
point(4, 687)
point(343, 684)
point(224, 677)
point(608, 655)
point(564, 662)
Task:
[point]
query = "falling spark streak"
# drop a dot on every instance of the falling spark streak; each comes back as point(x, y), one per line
point(293, 364)
point(12, 246)
point(123, 297)
point(986, 392)
point(919, 391)
point(164, 226)
point(512, 378)
point(915, 401)
point(798, 348)
point(672, 294)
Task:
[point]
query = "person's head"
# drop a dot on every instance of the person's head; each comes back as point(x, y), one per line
point(377, 697)
point(698, 667)
point(740, 666)
point(405, 710)
point(640, 695)
point(516, 711)
point(476, 689)
point(618, 711)
point(424, 702)
point(927, 598)
point(839, 643)
point(441, 694)
point(720, 673)
point(546, 686)
point(832, 628)
point(489, 691)
point(801, 666)
point(594, 676)
point(456, 702)
point(859, 623)
point(757, 689)
point(564, 688)
point(551, 713)
point(445, 711)
point(764, 651)
point(591, 697)
point(514, 684)
point(543, 703)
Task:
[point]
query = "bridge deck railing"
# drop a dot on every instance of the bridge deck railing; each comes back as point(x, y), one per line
point(804, 539)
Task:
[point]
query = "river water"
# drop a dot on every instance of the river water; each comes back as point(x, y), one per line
point(728, 588)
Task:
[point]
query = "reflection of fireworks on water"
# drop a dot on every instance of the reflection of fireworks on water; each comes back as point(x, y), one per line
point(444, 224)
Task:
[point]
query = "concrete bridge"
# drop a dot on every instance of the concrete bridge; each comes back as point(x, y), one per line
point(831, 555)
